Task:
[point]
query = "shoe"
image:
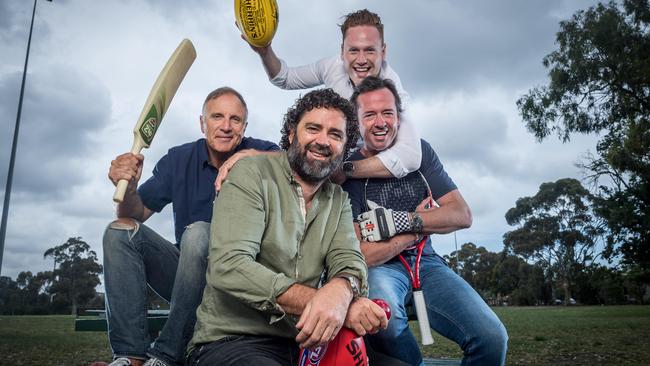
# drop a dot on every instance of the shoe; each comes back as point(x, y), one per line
point(155, 362)
point(122, 361)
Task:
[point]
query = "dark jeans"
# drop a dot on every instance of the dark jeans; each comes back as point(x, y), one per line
point(246, 350)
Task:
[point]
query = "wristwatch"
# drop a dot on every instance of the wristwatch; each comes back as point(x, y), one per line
point(354, 285)
point(348, 168)
point(417, 225)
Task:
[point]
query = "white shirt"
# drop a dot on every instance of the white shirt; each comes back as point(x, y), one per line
point(400, 159)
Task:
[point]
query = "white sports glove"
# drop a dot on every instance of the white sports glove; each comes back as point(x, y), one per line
point(382, 223)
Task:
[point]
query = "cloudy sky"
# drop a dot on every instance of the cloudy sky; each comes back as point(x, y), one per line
point(92, 64)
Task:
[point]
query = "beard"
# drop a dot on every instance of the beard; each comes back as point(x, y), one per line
point(312, 171)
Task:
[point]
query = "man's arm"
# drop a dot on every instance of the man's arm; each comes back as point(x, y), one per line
point(236, 234)
point(290, 78)
point(227, 165)
point(380, 252)
point(129, 167)
point(270, 61)
point(452, 214)
point(343, 259)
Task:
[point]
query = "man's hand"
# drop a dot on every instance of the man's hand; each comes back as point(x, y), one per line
point(382, 223)
point(126, 166)
point(324, 314)
point(364, 316)
point(228, 164)
point(262, 51)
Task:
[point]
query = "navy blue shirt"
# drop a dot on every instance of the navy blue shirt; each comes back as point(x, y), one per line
point(185, 178)
point(431, 168)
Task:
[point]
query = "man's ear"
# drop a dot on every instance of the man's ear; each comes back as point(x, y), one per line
point(202, 123)
point(291, 133)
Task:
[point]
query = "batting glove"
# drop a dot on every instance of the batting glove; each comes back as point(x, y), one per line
point(380, 223)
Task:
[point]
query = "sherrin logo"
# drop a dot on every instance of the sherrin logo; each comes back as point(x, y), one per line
point(257, 20)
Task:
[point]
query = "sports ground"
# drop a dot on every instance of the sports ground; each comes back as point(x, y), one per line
point(578, 335)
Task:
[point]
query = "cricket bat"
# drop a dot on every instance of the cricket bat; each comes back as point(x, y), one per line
point(160, 97)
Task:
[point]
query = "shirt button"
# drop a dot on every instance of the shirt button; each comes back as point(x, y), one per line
point(300, 257)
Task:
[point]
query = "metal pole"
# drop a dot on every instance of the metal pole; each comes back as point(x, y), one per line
point(456, 244)
point(5, 207)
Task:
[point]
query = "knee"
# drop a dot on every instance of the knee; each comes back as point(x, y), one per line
point(196, 240)
point(117, 232)
point(492, 342)
point(499, 338)
point(396, 326)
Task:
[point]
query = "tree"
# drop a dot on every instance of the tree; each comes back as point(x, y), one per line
point(600, 83)
point(599, 285)
point(556, 229)
point(474, 265)
point(77, 274)
point(9, 296)
point(34, 292)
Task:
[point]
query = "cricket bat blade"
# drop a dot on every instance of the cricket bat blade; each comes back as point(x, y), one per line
point(157, 103)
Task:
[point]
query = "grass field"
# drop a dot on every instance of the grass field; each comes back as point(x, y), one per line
point(612, 335)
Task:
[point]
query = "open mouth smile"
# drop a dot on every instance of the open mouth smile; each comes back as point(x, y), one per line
point(362, 69)
point(380, 132)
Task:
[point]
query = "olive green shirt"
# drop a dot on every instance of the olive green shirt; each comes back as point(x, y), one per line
point(261, 243)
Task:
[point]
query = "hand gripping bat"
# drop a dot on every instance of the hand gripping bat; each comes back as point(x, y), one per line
point(160, 97)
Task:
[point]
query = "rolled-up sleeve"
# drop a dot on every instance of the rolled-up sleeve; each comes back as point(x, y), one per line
point(299, 77)
point(236, 233)
point(345, 255)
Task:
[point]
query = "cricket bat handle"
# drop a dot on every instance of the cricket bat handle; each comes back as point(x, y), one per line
point(423, 318)
point(123, 184)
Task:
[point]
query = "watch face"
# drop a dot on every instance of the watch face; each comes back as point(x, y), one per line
point(348, 168)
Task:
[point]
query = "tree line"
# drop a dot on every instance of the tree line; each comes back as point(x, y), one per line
point(502, 278)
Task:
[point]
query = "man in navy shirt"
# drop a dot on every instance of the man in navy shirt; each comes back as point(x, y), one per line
point(454, 309)
point(136, 257)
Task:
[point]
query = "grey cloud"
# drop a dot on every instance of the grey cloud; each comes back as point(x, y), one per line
point(61, 109)
point(15, 18)
point(13, 15)
point(467, 44)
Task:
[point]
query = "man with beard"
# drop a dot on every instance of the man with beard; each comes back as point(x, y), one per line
point(454, 309)
point(363, 53)
point(288, 231)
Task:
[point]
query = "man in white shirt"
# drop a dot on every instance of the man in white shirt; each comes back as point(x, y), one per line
point(363, 53)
